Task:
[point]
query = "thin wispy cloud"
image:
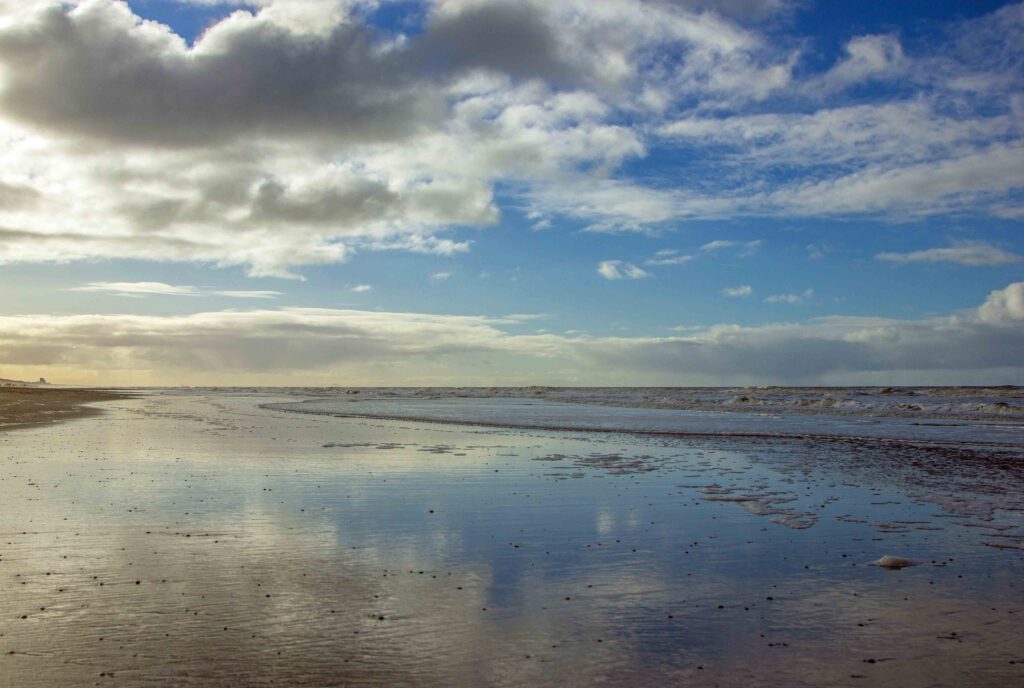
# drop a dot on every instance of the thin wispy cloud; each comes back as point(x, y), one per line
point(817, 251)
point(669, 257)
point(248, 293)
point(791, 299)
point(618, 270)
point(138, 289)
point(972, 253)
point(746, 248)
point(526, 317)
point(362, 288)
point(738, 291)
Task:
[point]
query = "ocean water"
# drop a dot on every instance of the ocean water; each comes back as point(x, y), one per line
point(951, 415)
point(279, 537)
point(957, 402)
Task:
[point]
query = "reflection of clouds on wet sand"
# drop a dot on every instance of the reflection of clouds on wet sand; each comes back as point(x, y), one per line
point(266, 603)
point(275, 548)
point(872, 632)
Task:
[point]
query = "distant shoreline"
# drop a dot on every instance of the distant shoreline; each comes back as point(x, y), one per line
point(27, 406)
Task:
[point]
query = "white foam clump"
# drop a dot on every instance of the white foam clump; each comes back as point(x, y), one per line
point(891, 562)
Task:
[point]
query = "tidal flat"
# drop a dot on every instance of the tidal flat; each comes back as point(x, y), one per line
point(216, 538)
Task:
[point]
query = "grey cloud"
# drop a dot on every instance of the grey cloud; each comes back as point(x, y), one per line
point(272, 226)
point(244, 341)
point(990, 337)
point(33, 354)
point(259, 78)
point(808, 353)
point(272, 146)
point(967, 253)
point(16, 196)
point(264, 253)
point(353, 201)
point(251, 76)
point(510, 38)
point(362, 200)
point(64, 246)
point(256, 145)
point(248, 76)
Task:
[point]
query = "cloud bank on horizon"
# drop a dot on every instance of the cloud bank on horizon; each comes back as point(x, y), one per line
point(292, 139)
point(307, 345)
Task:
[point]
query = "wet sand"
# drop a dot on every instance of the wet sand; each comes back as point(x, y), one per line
point(186, 539)
point(25, 406)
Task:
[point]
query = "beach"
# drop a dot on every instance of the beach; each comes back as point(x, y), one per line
point(280, 537)
point(511, 343)
point(29, 405)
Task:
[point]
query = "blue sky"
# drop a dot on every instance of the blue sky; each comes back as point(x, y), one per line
point(492, 192)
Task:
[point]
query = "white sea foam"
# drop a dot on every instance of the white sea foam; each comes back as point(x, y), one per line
point(946, 415)
point(535, 413)
point(962, 403)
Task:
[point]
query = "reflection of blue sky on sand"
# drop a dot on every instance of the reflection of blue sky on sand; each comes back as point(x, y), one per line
point(297, 549)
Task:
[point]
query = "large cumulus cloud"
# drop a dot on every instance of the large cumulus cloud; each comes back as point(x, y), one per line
point(271, 143)
point(294, 133)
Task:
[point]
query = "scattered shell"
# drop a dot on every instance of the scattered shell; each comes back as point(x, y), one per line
point(891, 562)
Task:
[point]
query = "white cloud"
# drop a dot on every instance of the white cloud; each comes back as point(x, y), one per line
point(1004, 306)
point(362, 288)
point(738, 291)
point(944, 186)
point(439, 277)
point(609, 206)
point(248, 293)
point(749, 248)
point(617, 269)
point(138, 288)
point(525, 317)
point(867, 58)
point(943, 136)
point(790, 298)
point(337, 137)
point(325, 171)
point(912, 130)
point(669, 256)
point(375, 347)
point(817, 251)
point(965, 253)
point(163, 289)
point(633, 272)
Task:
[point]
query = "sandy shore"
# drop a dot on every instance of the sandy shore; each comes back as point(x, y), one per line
point(186, 538)
point(22, 406)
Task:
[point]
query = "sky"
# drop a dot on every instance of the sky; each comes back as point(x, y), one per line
point(498, 192)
